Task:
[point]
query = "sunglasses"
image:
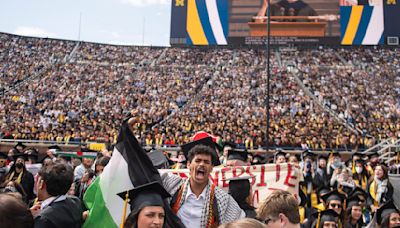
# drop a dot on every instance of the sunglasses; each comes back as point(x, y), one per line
point(336, 205)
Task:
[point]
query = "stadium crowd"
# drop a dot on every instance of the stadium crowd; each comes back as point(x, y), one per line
point(88, 89)
point(362, 95)
point(176, 92)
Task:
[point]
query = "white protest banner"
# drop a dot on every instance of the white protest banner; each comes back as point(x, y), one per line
point(265, 178)
point(33, 168)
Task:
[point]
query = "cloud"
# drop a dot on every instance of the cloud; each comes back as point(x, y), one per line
point(146, 2)
point(33, 31)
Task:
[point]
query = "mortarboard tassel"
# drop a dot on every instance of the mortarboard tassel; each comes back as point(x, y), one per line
point(124, 212)
point(318, 220)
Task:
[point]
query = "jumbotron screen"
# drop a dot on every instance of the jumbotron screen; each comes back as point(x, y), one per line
point(299, 22)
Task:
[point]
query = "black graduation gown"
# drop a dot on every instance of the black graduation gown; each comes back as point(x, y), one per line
point(62, 214)
point(27, 183)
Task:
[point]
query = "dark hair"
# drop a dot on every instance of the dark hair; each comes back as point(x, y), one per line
point(132, 220)
point(348, 216)
point(14, 213)
point(58, 178)
point(385, 173)
point(200, 149)
point(385, 221)
point(103, 161)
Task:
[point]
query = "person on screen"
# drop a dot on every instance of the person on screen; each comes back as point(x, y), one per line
point(286, 8)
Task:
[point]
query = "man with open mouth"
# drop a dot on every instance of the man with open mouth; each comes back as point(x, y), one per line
point(197, 201)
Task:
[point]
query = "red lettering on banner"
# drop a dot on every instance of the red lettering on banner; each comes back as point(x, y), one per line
point(223, 177)
point(278, 172)
point(215, 178)
point(262, 177)
point(236, 168)
point(248, 171)
point(289, 176)
point(256, 197)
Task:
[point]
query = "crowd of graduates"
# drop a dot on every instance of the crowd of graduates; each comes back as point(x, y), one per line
point(352, 193)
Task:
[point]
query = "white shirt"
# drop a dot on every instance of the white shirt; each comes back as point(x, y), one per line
point(190, 211)
point(52, 199)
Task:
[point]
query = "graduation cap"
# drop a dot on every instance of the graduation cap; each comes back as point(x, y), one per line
point(158, 158)
point(385, 210)
point(353, 201)
point(357, 191)
point(326, 216)
point(3, 155)
point(54, 149)
point(347, 189)
point(358, 154)
point(20, 155)
point(258, 159)
point(150, 194)
point(359, 161)
point(308, 154)
point(32, 153)
point(20, 145)
point(202, 134)
point(229, 144)
point(335, 154)
point(239, 187)
point(279, 153)
point(235, 154)
point(333, 195)
point(205, 142)
point(374, 154)
point(323, 190)
point(322, 156)
point(239, 179)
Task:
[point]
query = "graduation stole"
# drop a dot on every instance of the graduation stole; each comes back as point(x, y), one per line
point(302, 214)
point(363, 183)
point(19, 177)
point(372, 191)
point(211, 221)
point(313, 199)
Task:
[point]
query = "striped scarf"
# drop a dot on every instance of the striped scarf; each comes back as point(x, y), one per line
point(207, 212)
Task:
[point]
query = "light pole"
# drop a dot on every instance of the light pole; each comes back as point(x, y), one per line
point(268, 68)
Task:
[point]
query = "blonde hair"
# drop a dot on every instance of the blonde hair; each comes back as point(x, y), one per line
point(279, 202)
point(243, 223)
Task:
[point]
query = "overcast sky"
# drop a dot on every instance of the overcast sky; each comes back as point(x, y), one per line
point(105, 21)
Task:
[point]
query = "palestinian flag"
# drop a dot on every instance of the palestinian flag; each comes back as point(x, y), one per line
point(129, 166)
point(79, 154)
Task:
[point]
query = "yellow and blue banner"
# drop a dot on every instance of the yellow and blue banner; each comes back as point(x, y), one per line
point(369, 25)
point(207, 22)
point(361, 25)
point(203, 22)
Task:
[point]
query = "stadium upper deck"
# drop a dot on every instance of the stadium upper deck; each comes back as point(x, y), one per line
point(84, 93)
